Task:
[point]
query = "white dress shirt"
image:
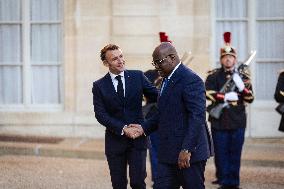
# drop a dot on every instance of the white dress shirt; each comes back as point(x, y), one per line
point(115, 82)
point(169, 77)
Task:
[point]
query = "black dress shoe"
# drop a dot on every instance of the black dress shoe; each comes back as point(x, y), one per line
point(215, 182)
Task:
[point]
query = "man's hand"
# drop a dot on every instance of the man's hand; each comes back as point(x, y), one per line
point(133, 131)
point(238, 81)
point(184, 159)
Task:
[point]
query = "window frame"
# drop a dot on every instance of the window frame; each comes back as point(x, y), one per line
point(251, 20)
point(26, 65)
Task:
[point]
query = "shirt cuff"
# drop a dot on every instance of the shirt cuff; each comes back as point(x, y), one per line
point(122, 131)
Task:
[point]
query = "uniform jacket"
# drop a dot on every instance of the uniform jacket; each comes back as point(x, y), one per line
point(279, 96)
point(181, 118)
point(233, 116)
point(114, 113)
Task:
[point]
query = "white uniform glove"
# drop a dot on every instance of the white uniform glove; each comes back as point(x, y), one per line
point(231, 96)
point(238, 81)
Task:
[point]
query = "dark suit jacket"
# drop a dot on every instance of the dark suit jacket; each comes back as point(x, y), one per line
point(279, 97)
point(113, 113)
point(181, 118)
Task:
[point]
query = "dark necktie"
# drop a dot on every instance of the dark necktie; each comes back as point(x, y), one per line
point(165, 83)
point(120, 90)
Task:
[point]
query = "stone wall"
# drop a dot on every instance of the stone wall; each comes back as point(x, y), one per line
point(88, 25)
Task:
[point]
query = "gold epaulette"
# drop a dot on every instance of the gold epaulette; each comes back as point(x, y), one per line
point(209, 95)
point(210, 72)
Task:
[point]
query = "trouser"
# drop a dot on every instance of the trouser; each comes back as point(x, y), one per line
point(136, 159)
point(171, 177)
point(228, 149)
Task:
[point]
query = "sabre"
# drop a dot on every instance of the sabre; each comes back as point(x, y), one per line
point(250, 58)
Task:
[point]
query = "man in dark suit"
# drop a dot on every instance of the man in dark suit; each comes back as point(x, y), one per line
point(117, 99)
point(279, 96)
point(184, 145)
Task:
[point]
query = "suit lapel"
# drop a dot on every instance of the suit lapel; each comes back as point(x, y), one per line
point(128, 83)
point(109, 86)
point(173, 80)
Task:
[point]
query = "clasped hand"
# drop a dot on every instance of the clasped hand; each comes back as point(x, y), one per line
point(133, 131)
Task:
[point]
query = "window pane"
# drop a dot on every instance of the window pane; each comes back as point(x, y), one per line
point(43, 10)
point(10, 10)
point(45, 44)
point(10, 40)
point(239, 38)
point(270, 39)
point(266, 78)
point(45, 85)
point(10, 85)
point(271, 8)
point(231, 8)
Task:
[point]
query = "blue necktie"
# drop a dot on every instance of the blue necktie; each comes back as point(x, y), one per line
point(165, 83)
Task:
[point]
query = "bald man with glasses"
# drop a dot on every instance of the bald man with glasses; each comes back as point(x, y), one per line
point(185, 143)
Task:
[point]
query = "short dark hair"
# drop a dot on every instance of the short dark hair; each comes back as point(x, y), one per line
point(109, 47)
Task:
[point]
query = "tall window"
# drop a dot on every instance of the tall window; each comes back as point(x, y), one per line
point(232, 16)
point(30, 52)
point(270, 46)
point(260, 26)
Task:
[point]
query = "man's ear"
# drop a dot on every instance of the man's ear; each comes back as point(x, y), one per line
point(173, 57)
point(105, 62)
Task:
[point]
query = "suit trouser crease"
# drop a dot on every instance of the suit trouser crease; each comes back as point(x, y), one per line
point(136, 159)
point(171, 177)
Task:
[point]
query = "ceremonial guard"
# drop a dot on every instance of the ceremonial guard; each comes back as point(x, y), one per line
point(229, 89)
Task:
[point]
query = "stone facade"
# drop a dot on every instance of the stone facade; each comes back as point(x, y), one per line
point(88, 25)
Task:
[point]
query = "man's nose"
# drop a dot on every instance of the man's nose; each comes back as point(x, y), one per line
point(121, 60)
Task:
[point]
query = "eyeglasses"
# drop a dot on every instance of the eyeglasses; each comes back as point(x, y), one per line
point(159, 62)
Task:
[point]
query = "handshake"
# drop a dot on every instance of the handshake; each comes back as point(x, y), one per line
point(133, 131)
